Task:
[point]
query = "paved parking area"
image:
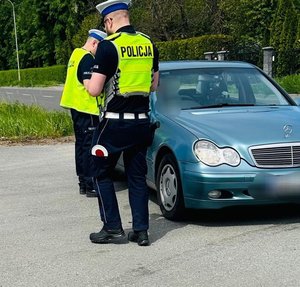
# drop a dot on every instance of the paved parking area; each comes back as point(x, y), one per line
point(45, 226)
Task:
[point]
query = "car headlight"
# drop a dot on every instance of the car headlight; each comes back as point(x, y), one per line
point(210, 154)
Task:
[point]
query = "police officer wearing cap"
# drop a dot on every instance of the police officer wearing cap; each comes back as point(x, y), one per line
point(84, 108)
point(126, 68)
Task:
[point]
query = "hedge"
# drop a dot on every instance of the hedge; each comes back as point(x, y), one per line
point(193, 48)
point(34, 77)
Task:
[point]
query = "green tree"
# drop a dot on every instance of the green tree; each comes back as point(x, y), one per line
point(7, 36)
point(92, 21)
point(49, 30)
point(45, 31)
point(249, 20)
point(32, 38)
point(283, 36)
point(176, 19)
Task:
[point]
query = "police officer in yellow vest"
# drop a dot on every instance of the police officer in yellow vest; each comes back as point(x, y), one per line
point(84, 108)
point(126, 68)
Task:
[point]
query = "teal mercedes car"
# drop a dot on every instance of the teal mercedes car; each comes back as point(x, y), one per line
point(221, 125)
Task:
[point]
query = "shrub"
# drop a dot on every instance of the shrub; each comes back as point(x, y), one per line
point(34, 77)
point(290, 83)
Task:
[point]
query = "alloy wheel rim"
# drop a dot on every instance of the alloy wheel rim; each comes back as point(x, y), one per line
point(168, 187)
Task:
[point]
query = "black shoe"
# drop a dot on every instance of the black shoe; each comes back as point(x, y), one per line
point(82, 189)
point(91, 193)
point(107, 235)
point(141, 237)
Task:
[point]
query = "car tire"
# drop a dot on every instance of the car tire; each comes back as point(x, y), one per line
point(169, 189)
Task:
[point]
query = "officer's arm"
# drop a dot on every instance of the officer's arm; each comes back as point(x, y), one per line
point(84, 72)
point(155, 81)
point(86, 83)
point(95, 84)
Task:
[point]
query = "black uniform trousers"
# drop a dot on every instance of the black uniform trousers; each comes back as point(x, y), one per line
point(131, 137)
point(84, 126)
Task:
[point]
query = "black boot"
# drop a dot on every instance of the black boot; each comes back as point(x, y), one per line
point(107, 235)
point(141, 237)
point(91, 193)
point(89, 186)
point(82, 188)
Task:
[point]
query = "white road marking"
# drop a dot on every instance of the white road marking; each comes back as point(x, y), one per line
point(47, 96)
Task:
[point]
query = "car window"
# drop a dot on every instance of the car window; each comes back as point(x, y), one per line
point(197, 88)
point(264, 91)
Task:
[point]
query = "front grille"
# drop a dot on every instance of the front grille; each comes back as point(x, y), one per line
point(276, 155)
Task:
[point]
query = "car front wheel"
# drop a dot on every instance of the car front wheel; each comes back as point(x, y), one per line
point(169, 189)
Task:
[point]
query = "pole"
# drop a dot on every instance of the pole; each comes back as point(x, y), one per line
point(221, 55)
point(16, 38)
point(208, 55)
point(268, 60)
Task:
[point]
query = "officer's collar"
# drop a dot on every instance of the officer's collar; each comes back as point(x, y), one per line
point(127, 29)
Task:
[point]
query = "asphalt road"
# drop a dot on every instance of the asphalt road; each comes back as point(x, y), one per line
point(47, 98)
point(45, 226)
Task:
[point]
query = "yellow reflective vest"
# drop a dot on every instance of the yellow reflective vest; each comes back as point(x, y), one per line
point(135, 68)
point(74, 95)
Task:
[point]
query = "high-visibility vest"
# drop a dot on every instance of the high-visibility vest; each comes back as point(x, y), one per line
point(74, 95)
point(135, 65)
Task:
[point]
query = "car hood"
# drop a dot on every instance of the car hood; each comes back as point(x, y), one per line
point(247, 126)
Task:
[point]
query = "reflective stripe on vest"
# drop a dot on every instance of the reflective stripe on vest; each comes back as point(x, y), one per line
point(74, 95)
point(134, 73)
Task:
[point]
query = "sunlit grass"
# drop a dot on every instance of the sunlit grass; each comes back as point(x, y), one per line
point(22, 122)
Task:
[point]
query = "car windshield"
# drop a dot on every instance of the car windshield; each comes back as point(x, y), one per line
point(216, 87)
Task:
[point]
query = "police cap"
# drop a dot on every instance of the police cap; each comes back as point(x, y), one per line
point(110, 6)
point(97, 34)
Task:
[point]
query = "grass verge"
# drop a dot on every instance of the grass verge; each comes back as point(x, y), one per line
point(19, 122)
